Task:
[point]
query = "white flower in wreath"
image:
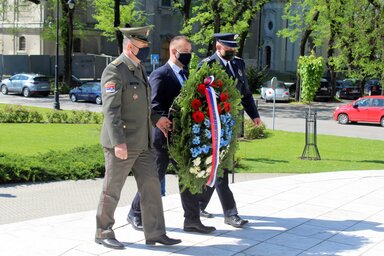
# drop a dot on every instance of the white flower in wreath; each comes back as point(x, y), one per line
point(197, 161)
point(223, 153)
point(208, 161)
point(208, 171)
point(194, 170)
point(201, 174)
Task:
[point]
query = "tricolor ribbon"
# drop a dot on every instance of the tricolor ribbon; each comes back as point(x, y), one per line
point(214, 117)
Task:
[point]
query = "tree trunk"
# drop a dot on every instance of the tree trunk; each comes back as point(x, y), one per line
point(331, 51)
point(186, 10)
point(303, 42)
point(116, 24)
point(67, 41)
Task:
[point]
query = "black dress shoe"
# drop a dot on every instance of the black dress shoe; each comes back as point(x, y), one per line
point(198, 227)
point(206, 214)
point(235, 221)
point(135, 221)
point(110, 243)
point(163, 239)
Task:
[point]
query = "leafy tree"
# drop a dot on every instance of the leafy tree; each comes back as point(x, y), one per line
point(353, 29)
point(310, 70)
point(215, 16)
point(67, 25)
point(110, 15)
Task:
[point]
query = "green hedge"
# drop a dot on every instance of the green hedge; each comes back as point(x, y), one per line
point(20, 114)
point(79, 163)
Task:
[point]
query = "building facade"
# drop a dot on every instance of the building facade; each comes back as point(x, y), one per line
point(22, 23)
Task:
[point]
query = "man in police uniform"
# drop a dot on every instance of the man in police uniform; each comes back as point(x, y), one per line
point(127, 142)
point(226, 46)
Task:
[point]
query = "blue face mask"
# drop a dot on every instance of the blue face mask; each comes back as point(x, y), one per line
point(142, 54)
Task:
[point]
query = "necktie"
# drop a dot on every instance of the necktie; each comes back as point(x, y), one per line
point(183, 74)
point(228, 69)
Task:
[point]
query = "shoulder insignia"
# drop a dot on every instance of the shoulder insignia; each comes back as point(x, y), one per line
point(131, 67)
point(117, 62)
point(110, 86)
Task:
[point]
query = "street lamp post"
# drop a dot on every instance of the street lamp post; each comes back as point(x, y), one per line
point(71, 5)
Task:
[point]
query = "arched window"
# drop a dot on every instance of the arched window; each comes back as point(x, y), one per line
point(22, 43)
point(268, 54)
point(77, 45)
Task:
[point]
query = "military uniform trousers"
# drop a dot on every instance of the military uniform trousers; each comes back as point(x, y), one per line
point(142, 164)
point(225, 195)
point(162, 162)
point(190, 202)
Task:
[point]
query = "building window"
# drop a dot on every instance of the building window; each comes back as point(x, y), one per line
point(270, 25)
point(22, 43)
point(268, 56)
point(166, 3)
point(77, 45)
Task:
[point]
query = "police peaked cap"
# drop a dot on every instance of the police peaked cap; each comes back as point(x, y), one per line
point(227, 39)
point(138, 33)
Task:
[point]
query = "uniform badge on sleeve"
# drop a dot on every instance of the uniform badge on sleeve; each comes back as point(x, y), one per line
point(110, 87)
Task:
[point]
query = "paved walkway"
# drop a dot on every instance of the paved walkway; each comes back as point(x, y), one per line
point(340, 213)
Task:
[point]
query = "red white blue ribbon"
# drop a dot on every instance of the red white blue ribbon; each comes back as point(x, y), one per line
point(214, 117)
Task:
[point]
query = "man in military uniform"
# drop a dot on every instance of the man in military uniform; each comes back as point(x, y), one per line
point(226, 46)
point(166, 83)
point(127, 141)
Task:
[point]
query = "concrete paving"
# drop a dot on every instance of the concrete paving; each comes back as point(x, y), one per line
point(339, 213)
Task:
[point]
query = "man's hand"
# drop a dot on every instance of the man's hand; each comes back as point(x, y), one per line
point(257, 121)
point(121, 151)
point(165, 125)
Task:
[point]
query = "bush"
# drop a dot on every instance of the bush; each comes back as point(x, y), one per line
point(252, 132)
point(20, 114)
point(57, 116)
point(256, 77)
point(63, 88)
point(79, 163)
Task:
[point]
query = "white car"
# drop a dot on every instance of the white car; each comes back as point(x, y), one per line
point(281, 90)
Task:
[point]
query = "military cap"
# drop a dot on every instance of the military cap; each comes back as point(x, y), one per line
point(228, 39)
point(138, 33)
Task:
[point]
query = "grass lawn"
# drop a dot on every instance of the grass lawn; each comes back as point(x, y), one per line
point(280, 152)
point(30, 139)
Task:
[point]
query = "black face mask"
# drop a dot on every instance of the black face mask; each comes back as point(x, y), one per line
point(229, 55)
point(184, 58)
point(142, 54)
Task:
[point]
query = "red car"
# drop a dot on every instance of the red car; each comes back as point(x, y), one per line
point(368, 109)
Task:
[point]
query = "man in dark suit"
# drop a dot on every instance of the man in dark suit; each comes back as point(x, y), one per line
point(166, 83)
point(226, 46)
point(127, 141)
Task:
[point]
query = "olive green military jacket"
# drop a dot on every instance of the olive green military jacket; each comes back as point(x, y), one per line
point(126, 99)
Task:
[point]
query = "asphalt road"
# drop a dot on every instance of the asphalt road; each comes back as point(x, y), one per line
point(288, 117)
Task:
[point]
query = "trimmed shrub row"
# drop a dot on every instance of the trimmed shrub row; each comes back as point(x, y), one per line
point(79, 163)
point(20, 114)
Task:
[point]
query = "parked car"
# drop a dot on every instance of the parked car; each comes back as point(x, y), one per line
point(324, 92)
point(349, 89)
point(368, 109)
point(89, 91)
point(372, 87)
point(282, 92)
point(26, 84)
